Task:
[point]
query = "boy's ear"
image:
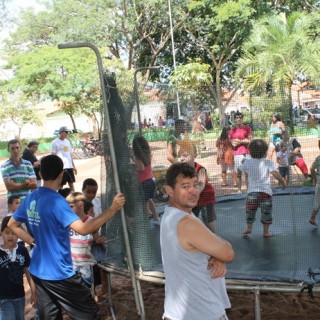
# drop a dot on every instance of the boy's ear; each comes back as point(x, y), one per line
point(168, 190)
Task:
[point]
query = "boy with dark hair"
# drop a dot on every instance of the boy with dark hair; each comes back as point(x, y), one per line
point(90, 189)
point(50, 219)
point(18, 174)
point(13, 203)
point(14, 263)
point(259, 195)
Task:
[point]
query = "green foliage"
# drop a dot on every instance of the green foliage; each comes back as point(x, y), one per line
point(193, 74)
point(279, 50)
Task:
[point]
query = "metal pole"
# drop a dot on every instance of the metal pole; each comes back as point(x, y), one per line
point(113, 159)
point(173, 54)
point(137, 93)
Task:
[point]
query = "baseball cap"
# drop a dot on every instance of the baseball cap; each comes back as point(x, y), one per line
point(64, 129)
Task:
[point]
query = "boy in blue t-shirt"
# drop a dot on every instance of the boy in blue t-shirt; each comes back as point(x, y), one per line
point(50, 218)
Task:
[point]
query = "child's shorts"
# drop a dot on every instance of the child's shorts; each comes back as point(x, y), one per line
point(86, 273)
point(284, 171)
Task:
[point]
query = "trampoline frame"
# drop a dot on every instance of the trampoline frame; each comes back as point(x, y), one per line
point(158, 277)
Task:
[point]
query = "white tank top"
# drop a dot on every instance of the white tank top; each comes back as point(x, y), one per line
point(190, 292)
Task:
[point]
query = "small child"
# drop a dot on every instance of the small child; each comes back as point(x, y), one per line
point(88, 208)
point(13, 203)
point(82, 258)
point(295, 155)
point(259, 195)
point(142, 161)
point(225, 156)
point(14, 263)
point(207, 199)
point(315, 174)
point(90, 189)
point(283, 161)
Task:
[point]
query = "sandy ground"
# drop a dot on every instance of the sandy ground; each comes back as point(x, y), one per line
point(274, 305)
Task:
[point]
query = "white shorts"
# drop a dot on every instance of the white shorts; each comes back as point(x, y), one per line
point(227, 167)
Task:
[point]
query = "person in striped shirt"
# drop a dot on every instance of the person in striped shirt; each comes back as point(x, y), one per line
point(18, 174)
point(82, 258)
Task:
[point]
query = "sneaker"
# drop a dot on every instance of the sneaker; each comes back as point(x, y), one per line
point(239, 192)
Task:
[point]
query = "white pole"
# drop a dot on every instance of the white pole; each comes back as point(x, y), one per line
point(173, 53)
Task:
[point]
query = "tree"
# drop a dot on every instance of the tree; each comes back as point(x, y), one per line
point(192, 77)
point(280, 50)
point(134, 32)
point(218, 28)
point(18, 109)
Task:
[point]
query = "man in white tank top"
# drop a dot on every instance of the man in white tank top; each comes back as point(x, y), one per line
point(193, 257)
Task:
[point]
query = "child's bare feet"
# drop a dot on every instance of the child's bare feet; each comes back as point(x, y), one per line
point(267, 235)
point(247, 231)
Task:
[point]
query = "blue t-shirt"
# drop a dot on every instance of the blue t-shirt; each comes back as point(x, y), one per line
point(48, 216)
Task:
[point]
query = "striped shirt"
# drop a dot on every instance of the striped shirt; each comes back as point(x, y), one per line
point(81, 248)
point(20, 173)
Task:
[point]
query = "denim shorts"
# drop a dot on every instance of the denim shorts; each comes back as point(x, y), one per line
point(12, 309)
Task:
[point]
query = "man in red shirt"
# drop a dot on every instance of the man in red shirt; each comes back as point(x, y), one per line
point(240, 136)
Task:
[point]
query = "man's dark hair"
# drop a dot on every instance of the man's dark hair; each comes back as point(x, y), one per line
point(32, 143)
point(238, 114)
point(89, 182)
point(65, 192)
point(4, 223)
point(87, 206)
point(51, 167)
point(258, 148)
point(12, 198)
point(13, 141)
point(183, 168)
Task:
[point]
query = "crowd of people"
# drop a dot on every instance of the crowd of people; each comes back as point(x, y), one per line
point(60, 226)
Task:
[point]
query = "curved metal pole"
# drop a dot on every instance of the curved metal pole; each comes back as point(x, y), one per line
point(113, 159)
point(137, 94)
point(173, 53)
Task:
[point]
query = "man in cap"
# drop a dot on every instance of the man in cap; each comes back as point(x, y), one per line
point(61, 146)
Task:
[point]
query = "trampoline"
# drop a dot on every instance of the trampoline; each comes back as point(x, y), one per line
point(280, 263)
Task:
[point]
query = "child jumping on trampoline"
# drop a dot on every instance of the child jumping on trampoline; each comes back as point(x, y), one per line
point(259, 195)
point(315, 174)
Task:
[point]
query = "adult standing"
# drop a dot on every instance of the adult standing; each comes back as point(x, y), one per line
point(50, 219)
point(240, 136)
point(61, 147)
point(29, 154)
point(176, 135)
point(277, 128)
point(18, 174)
point(193, 257)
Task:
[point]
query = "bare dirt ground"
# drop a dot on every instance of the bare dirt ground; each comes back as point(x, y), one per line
point(274, 305)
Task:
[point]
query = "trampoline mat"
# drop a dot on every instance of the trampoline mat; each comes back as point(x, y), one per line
point(287, 255)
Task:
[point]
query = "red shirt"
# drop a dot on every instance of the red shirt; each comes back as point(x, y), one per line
point(240, 133)
point(207, 195)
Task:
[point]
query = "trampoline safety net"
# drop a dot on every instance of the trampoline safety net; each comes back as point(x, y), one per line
point(284, 257)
